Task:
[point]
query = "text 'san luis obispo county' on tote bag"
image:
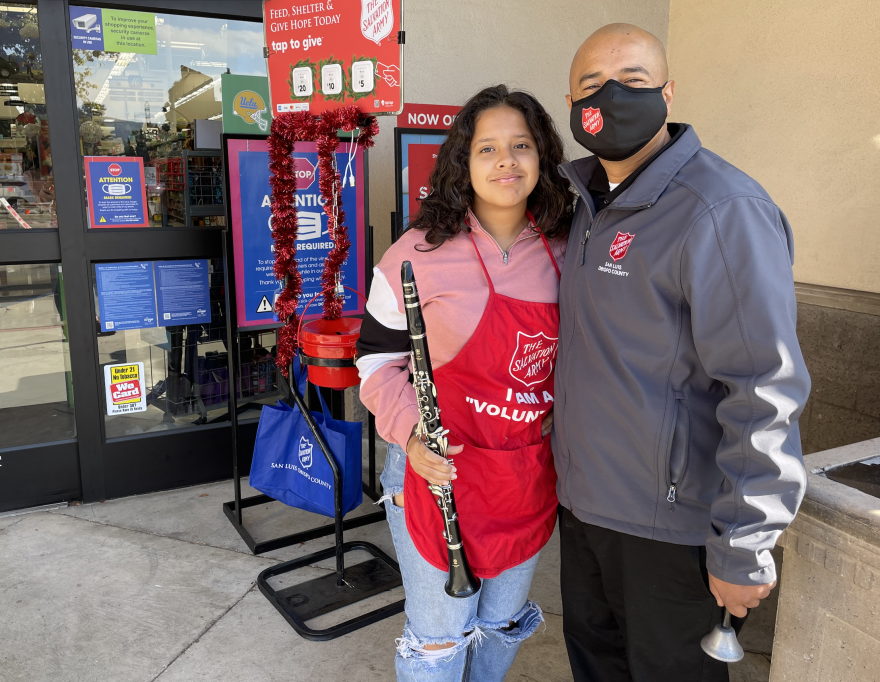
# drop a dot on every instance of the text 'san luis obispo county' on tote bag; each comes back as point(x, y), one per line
point(290, 466)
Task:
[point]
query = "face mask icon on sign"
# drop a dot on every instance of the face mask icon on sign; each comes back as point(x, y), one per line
point(116, 190)
point(305, 452)
point(309, 225)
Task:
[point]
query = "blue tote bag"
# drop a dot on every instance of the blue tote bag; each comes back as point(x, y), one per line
point(290, 466)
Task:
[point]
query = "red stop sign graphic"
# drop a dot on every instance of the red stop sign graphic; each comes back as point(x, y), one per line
point(305, 173)
point(114, 169)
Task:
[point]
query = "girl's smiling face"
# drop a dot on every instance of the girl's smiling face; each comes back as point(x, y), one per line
point(504, 164)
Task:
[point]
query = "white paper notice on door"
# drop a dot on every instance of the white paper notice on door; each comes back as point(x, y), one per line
point(124, 386)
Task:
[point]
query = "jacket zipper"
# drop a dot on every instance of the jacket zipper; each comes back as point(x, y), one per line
point(671, 476)
point(594, 224)
point(584, 245)
point(506, 254)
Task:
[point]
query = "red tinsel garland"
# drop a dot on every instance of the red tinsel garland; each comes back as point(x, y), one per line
point(287, 129)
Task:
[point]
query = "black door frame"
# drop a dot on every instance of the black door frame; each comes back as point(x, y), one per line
point(90, 467)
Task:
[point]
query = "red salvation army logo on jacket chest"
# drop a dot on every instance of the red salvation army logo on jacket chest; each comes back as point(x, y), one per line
point(592, 120)
point(533, 358)
point(620, 245)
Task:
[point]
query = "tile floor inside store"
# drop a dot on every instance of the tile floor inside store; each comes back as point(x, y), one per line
point(161, 588)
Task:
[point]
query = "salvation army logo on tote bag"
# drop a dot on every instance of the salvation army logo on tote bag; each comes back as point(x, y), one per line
point(305, 452)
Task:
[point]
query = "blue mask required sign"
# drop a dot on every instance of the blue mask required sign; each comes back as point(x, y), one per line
point(116, 191)
point(255, 283)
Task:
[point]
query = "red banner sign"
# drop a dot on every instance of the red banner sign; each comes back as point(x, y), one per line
point(325, 55)
point(431, 116)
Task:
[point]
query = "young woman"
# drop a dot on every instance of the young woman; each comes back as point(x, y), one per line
point(485, 248)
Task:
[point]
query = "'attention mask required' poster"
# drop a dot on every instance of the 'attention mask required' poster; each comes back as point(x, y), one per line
point(116, 191)
point(255, 285)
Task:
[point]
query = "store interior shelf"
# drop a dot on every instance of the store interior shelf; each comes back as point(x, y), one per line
point(190, 184)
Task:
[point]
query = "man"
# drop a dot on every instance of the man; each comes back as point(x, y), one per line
point(679, 380)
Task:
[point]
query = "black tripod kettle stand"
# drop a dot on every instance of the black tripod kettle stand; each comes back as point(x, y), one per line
point(312, 598)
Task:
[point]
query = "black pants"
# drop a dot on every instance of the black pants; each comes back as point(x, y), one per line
point(635, 610)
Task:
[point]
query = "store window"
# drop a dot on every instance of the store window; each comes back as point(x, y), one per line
point(162, 347)
point(36, 393)
point(158, 100)
point(27, 183)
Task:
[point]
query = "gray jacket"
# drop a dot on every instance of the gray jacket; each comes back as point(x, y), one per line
point(679, 380)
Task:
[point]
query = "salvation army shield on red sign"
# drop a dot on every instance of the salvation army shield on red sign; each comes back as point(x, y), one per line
point(533, 358)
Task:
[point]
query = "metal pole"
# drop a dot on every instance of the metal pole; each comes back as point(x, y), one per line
point(371, 449)
point(232, 366)
point(337, 476)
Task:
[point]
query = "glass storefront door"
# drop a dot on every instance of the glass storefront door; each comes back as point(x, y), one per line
point(36, 391)
point(65, 99)
point(27, 182)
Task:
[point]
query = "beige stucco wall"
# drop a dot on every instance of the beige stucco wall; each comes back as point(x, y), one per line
point(455, 47)
point(786, 91)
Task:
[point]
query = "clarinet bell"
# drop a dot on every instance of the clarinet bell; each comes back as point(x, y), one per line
point(722, 644)
point(461, 583)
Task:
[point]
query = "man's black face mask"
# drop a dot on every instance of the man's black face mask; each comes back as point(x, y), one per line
point(616, 121)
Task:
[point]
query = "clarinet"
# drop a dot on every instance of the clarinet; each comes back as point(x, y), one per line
point(462, 582)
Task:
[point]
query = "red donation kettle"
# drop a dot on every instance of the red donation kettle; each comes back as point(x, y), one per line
point(329, 353)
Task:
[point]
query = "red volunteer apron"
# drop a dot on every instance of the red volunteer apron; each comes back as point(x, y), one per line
point(493, 395)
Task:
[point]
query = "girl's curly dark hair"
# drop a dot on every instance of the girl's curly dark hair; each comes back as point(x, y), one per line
point(442, 213)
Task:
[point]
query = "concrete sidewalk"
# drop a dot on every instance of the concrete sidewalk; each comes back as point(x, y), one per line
point(161, 587)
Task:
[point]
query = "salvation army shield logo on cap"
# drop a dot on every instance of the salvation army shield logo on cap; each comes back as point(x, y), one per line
point(620, 245)
point(305, 452)
point(592, 120)
point(533, 358)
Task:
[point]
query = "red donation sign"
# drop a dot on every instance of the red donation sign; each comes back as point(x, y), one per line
point(325, 55)
point(422, 158)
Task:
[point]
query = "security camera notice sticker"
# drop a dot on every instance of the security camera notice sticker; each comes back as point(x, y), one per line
point(112, 30)
point(124, 386)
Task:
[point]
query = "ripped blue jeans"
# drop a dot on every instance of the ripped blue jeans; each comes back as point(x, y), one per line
point(486, 630)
